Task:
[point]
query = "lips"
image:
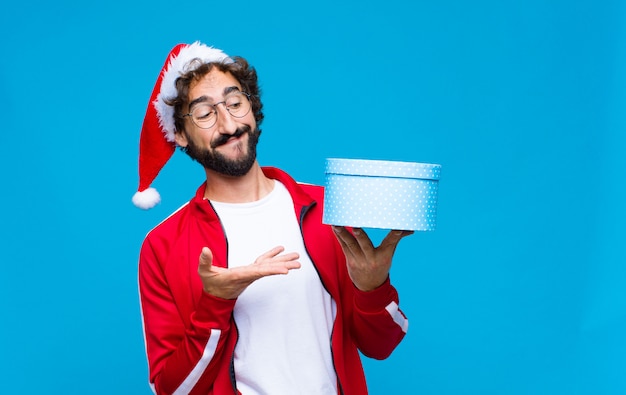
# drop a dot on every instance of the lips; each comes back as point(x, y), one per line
point(225, 138)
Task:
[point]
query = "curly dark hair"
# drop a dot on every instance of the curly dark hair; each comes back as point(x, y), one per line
point(239, 67)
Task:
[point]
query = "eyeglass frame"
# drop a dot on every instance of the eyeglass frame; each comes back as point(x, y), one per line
point(214, 105)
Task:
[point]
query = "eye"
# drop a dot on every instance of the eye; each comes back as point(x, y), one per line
point(203, 112)
point(233, 102)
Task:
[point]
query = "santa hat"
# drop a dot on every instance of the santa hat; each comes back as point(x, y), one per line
point(157, 143)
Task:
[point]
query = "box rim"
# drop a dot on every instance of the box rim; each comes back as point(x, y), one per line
point(385, 168)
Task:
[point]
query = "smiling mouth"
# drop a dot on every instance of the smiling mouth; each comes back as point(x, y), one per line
point(232, 139)
point(227, 138)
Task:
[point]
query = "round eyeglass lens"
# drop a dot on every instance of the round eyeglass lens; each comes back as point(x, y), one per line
point(237, 104)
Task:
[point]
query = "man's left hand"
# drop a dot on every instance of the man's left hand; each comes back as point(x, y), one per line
point(368, 266)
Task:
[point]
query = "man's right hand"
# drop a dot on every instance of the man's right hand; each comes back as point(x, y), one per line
point(230, 283)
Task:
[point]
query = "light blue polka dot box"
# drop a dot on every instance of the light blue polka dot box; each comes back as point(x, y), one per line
point(381, 194)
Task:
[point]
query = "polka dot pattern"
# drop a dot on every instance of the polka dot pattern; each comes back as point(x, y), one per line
point(381, 194)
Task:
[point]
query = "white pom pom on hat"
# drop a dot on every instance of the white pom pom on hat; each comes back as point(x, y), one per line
point(156, 144)
point(147, 198)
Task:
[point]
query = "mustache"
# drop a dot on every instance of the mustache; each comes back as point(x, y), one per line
point(223, 138)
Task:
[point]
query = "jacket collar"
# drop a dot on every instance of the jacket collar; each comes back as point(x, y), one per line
point(201, 207)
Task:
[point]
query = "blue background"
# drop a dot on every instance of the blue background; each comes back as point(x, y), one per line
point(522, 288)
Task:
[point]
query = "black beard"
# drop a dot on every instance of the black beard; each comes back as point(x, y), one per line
point(217, 162)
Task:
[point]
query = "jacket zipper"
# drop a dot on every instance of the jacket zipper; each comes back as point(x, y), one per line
point(231, 369)
point(303, 212)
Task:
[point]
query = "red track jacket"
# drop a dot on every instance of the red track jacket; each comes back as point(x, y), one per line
point(190, 335)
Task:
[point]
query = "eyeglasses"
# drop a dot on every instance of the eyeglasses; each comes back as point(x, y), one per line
point(204, 115)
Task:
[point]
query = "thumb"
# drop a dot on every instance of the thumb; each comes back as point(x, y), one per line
point(206, 257)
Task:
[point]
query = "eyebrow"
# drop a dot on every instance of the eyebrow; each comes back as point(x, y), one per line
point(204, 98)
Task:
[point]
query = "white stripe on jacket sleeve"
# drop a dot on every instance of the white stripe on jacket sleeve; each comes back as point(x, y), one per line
point(207, 356)
point(397, 316)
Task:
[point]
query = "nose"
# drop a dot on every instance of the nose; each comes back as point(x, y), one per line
point(225, 122)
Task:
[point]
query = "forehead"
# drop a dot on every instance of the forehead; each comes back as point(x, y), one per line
point(212, 85)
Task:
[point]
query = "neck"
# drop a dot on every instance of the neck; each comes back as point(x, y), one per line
point(251, 187)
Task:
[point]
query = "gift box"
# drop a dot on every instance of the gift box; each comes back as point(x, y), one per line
point(381, 194)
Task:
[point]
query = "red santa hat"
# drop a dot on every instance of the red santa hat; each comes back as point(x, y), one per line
point(157, 144)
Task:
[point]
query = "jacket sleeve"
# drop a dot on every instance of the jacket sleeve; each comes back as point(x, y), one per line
point(378, 323)
point(184, 353)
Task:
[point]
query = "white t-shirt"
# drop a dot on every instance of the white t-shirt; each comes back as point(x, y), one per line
point(284, 321)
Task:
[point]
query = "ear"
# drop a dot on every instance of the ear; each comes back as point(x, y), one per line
point(181, 139)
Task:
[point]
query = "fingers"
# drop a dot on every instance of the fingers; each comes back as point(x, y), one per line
point(269, 261)
point(362, 239)
point(393, 238)
point(356, 243)
point(344, 237)
point(273, 255)
point(273, 262)
point(229, 283)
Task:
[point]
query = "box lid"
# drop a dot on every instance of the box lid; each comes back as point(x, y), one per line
point(383, 168)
